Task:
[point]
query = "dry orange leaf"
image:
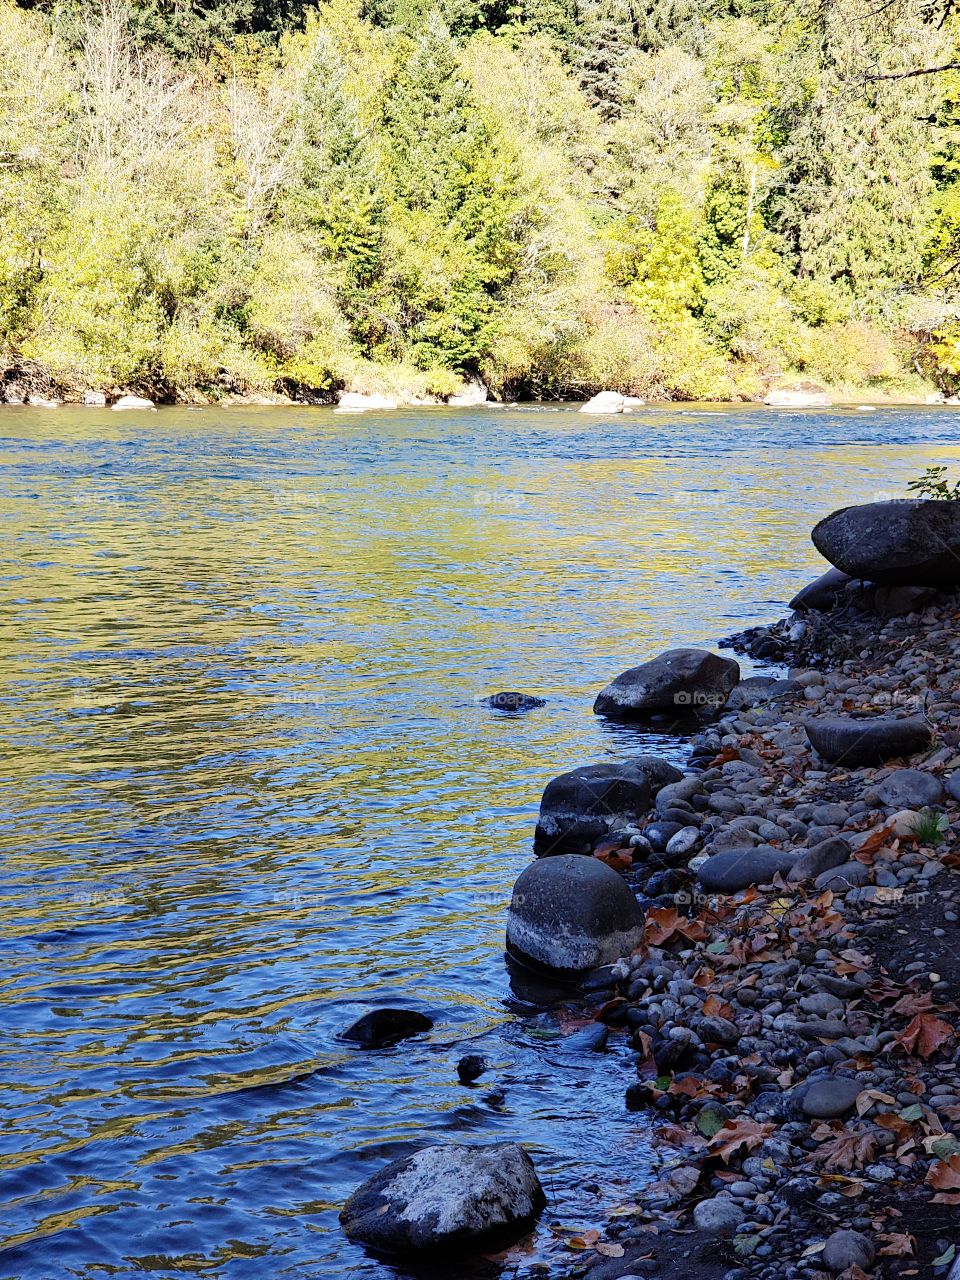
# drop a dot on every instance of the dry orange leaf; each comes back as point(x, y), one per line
point(925, 1034)
point(737, 1133)
point(664, 922)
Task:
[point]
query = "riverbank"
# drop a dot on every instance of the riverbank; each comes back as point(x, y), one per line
point(797, 1040)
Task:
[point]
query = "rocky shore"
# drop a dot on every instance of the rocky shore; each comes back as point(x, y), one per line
point(773, 932)
point(791, 1003)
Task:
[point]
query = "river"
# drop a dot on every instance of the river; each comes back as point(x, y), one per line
point(249, 789)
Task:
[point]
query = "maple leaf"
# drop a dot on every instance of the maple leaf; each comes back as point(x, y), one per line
point(737, 1133)
point(944, 1175)
point(914, 1002)
point(615, 855)
point(925, 1034)
point(713, 1005)
point(664, 922)
point(899, 1244)
point(843, 1151)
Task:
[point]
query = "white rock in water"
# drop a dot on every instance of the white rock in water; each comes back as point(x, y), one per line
point(473, 393)
point(633, 402)
point(799, 395)
point(134, 402)
point(94, 399)
point(446, 1196)
point(359, 402)
point(605, 402)
point(41, 402)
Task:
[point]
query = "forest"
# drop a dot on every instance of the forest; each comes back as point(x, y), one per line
point(683, 199)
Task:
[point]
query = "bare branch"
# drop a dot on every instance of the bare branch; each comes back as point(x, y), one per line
point(917, 71)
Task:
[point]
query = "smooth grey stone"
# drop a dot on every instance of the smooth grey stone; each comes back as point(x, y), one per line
point(846, 1249)
point(915, 542)
point(735, 869)
point(827, 1097)
point(824, 856)
point(911, 789)
point(678, 681)
point(869, 741)
point(821, 595)
point(718, 1216)
point(569, 913)
point(510, 700)
point(578, 808)
point(849, 875)
point(446, 1197)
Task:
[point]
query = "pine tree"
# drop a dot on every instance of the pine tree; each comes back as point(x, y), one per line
point(337, 195)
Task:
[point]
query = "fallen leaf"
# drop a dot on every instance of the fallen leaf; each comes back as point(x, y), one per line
point(944, 1175)
point(737, 1133)
point(843, 1151)
point(925, 1034)
point(899, 1244)
point(665, 922)
point(610, 1250)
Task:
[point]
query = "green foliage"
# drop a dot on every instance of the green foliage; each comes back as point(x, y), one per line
point(930, 827)
point(933, 484)
point(665, 197)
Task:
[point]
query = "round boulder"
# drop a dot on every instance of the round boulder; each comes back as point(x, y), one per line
point(572, 913)
point(845, 1249)
point(682, 682)
point(915, 542)
point(871, 741)
point(605, 402)
point(911, 789)
point(827, 1097)
point(579, 808)
point(446, 1198)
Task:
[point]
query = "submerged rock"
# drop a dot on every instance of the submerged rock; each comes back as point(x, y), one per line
point(681, 681)
point(798, 395)
point(605, 402)
point(822, 594)
point(870, 741)
point(579, 808)
point(133, 402)
point(382, 1027)
point(510, 700)
point(447, 1198)
point(913, 542)
point(572, 913)
point(359, 402)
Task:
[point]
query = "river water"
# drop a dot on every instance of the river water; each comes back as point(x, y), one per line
point(249, 790)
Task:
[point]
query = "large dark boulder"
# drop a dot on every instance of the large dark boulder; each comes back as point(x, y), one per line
point(571, 913)
point(447, 1198)
point(871, 741)
point(682, 682)
point(915, 542)
point(579, 808)
point(821, 595)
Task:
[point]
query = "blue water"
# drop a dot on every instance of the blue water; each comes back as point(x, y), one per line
point(249, 790)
